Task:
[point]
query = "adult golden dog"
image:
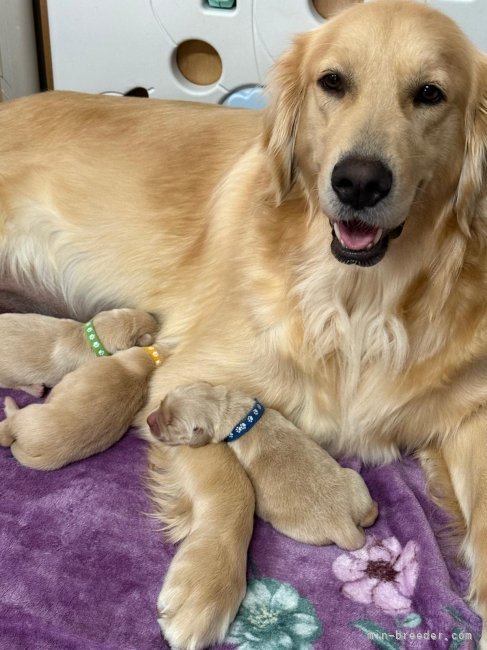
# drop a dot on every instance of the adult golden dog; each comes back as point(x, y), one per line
point(373, 339)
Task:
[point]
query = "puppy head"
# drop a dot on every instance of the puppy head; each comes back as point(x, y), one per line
point(373, 112)
point(188, 415)
point(120, 329)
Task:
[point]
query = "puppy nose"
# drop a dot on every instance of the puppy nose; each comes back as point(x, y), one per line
point(154, 424)
point(361, 182)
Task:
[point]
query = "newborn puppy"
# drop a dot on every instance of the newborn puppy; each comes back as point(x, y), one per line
point(336, 502)
point(87, 412)
point(37, 350)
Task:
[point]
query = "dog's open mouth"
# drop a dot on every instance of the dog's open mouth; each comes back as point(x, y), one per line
point(357, 242)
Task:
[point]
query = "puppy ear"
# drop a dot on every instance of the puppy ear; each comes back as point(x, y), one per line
point(199, 437)
point(167, 414)
point(473, 179)
point(145, 339)
point(281, 117)
point(220, 392)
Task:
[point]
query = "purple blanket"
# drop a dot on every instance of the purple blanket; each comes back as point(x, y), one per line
point(82, 564)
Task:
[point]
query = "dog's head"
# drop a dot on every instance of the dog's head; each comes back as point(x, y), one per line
point(124, 328)
point(381, 113)
point(188, 415)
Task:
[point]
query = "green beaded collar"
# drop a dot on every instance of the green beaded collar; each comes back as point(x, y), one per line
point(94, 341)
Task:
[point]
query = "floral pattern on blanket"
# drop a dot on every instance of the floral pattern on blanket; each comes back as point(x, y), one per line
point(273, 616)
point(71, 529)
point(382, 575)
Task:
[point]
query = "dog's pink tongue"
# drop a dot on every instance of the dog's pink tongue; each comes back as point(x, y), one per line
point(356, 235)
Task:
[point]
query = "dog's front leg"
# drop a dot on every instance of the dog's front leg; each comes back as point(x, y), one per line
point(465, 455)
point(207, 499)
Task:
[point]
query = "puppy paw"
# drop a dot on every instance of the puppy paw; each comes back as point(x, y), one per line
point(334, 510)
point(370, 516)
point(348, 536)
point(10, 406)
point(201, 594)
point(354, 510)
point(37, 390)
point(355, 496)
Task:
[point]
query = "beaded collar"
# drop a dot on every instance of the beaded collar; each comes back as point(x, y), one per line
point(252, 417)
point(100, 350)
point(94, 341)
point(154, 354)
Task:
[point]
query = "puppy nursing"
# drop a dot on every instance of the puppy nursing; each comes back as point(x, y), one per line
point(299, 489)
point(377, 119)
point(98, 395)
point(87, 412)
point(37, 351)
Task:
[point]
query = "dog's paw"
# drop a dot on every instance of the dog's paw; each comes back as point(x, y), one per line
point(370, 516)
point(353, 510)
point(334, 510)
point(37, 390)
point(355, 497)
point(201, 594)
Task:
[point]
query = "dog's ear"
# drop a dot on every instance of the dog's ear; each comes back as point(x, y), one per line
point(281, 117)
point(145, 339)
point(473, 179)
point(199, 437)
point(166, 412)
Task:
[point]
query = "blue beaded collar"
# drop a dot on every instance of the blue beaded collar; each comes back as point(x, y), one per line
point(252, 417)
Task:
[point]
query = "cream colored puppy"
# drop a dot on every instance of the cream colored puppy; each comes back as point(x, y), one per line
point(39, 350)
point(87, 412)
point(299, 489)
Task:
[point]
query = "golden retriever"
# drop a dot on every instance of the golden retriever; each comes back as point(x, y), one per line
point(371, 337)
point(87, 412)
point(37, 351)
point(306, 496)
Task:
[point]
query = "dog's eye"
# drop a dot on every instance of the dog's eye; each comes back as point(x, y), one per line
point(331, 81)
point(198, 430)
point(429, 94)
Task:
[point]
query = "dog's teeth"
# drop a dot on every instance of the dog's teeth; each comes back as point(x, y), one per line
point(369, 246)
point(336, 228)
point(377, 237)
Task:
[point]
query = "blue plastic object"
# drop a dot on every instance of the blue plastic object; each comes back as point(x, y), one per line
point(247, 97)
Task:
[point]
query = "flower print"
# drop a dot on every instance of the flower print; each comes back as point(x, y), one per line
point(275, 617)
point(382, 573)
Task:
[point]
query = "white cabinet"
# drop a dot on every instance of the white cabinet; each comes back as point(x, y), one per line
point(113, 45)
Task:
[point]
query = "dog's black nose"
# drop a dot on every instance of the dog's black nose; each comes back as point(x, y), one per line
point(361, 182)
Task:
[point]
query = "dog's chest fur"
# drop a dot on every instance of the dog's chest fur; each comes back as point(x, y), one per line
point(350, 403)
point(371, 376)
